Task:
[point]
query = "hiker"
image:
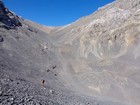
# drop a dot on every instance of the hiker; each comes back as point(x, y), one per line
point(42, 82)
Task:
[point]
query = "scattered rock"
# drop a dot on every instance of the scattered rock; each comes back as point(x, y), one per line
point(0, 93)
point(51, 91)
point(17, 37)
point(53, 67)
point(48, 70)
point(31, 30)
point(11, 99)
point(1, 39)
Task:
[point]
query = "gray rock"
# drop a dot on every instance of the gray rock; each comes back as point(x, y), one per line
point(8, 19)
point(1, 39)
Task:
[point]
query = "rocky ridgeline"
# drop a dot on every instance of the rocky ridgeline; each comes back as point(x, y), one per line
point(8, 20)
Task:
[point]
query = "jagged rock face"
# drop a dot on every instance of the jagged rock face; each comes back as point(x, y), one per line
point(102, 52)
point(8, 19)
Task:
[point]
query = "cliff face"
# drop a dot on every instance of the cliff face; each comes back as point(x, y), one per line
point(87, 62)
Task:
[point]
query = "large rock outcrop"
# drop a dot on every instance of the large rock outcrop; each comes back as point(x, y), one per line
point(7, 18)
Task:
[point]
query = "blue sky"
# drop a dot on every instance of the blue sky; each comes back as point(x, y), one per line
point(54, 12)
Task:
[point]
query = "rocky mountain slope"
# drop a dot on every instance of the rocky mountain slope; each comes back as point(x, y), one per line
point(93, 61)
point(102, 52)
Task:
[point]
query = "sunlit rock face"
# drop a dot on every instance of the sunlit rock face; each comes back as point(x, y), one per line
point(101, 52)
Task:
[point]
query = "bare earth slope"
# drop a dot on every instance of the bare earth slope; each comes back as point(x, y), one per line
point(93, 61)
